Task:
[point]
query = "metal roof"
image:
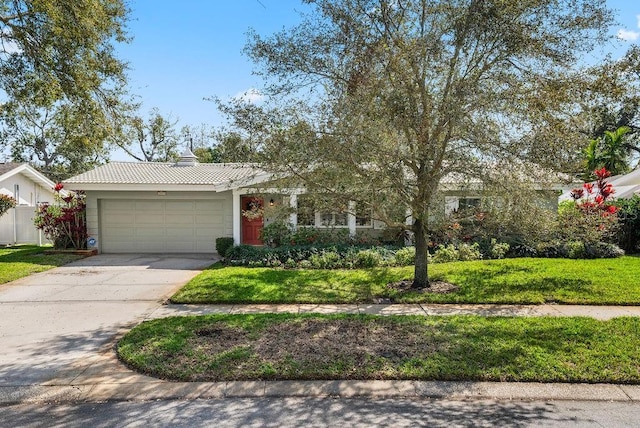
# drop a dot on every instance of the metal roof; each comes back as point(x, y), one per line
point(167, 173)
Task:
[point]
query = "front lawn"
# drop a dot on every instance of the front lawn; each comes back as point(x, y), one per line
point(306, 347)
point(507, 281)
point(16, 262)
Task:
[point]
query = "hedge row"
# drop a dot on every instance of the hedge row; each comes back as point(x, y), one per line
point(349, 256)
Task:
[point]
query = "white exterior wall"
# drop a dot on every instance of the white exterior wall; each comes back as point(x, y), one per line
point(16, 227)
point(93, 198)
point(30, 192)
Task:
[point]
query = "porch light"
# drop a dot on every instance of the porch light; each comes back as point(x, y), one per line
point(271, 202)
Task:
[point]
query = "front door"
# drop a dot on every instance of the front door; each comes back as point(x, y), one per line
point(252, 219)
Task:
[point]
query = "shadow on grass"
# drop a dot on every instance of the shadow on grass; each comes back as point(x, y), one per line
point(268, 285)
point(350, 347)
point(494, 284)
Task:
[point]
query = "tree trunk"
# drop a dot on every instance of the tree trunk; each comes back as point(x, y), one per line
point(421, 277)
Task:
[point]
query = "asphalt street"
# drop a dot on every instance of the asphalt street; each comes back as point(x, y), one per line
point(324, 412)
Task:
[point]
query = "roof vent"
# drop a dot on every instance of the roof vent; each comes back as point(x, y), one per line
point(187, 159)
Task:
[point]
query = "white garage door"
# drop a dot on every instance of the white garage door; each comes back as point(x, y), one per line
point(166, 226)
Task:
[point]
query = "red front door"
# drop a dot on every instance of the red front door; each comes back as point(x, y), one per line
point(252, 221)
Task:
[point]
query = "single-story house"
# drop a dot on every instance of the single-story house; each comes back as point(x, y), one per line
point(183, 207)
point(28, 187)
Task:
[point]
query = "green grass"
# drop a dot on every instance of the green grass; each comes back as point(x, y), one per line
point(20, 261)
point(508, 281)
point(288, 346)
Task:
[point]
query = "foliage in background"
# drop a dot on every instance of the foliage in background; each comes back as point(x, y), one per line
point(153, 139)
point(64, 222)
point(6, 203)
point(609, 152)
point(628, 231)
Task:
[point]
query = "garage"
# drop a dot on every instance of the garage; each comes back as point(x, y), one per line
point(160, 226)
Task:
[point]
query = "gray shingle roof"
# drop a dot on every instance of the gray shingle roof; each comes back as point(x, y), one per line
point(166, 173)
point(8, 166)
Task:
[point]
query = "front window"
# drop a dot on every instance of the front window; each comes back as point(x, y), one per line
point(333, 219)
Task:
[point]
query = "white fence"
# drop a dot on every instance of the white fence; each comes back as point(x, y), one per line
point(16, 227)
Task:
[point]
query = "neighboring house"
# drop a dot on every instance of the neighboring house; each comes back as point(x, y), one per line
point(29, 188)
point(625, 186)
point(183, 207)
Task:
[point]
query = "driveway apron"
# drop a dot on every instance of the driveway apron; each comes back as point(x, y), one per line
point(52, 319)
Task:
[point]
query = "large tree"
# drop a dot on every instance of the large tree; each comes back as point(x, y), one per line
point(379, 100)
point(63, 88)
point(612, 120)
point(153, 139)
point(60, 140)
point(63, 48)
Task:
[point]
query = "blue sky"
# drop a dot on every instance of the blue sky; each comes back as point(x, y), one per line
point(184, 51)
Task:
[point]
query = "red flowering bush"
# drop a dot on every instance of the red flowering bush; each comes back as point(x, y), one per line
point(591, 217)
point(64, 222)
point(6, 203)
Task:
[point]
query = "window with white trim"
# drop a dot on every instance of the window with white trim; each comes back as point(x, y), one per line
point(332, 219)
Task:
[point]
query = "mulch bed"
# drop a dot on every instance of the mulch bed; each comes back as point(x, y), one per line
point(435, 287)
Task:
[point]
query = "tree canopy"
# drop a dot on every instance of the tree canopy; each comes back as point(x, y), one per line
point(379, 100)
point(60, 48)
point(63, 88)
point(153, 139)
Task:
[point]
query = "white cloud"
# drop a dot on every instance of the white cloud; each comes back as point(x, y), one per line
point(628, 35)
point(252, 96)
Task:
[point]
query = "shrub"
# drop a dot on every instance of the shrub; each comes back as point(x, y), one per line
point(405, 256)
point(276, 233)
point(592, 218)
point(603, 250)
point(6, 203)
point(368, 259)
point(223, 244)
point(64, 221)
point(551, 249)
point(468, 252)
point(325, 260)
point(498, 250)
point(576, 250)
point(290, 264)
point(243, 254)
point(520, 249)
point(321, 236)
point(445, 254)
point(628, 233)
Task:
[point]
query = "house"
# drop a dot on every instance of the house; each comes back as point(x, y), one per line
point(625, 186)
point(183, 207)
point(28, 187)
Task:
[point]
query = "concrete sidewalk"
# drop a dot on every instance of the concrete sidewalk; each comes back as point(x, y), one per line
point(103, 378)
point(597, 312)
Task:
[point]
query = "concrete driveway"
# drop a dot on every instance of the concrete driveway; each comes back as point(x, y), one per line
point(52, 320)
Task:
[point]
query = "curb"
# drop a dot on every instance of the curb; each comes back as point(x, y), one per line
point(162, 390)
